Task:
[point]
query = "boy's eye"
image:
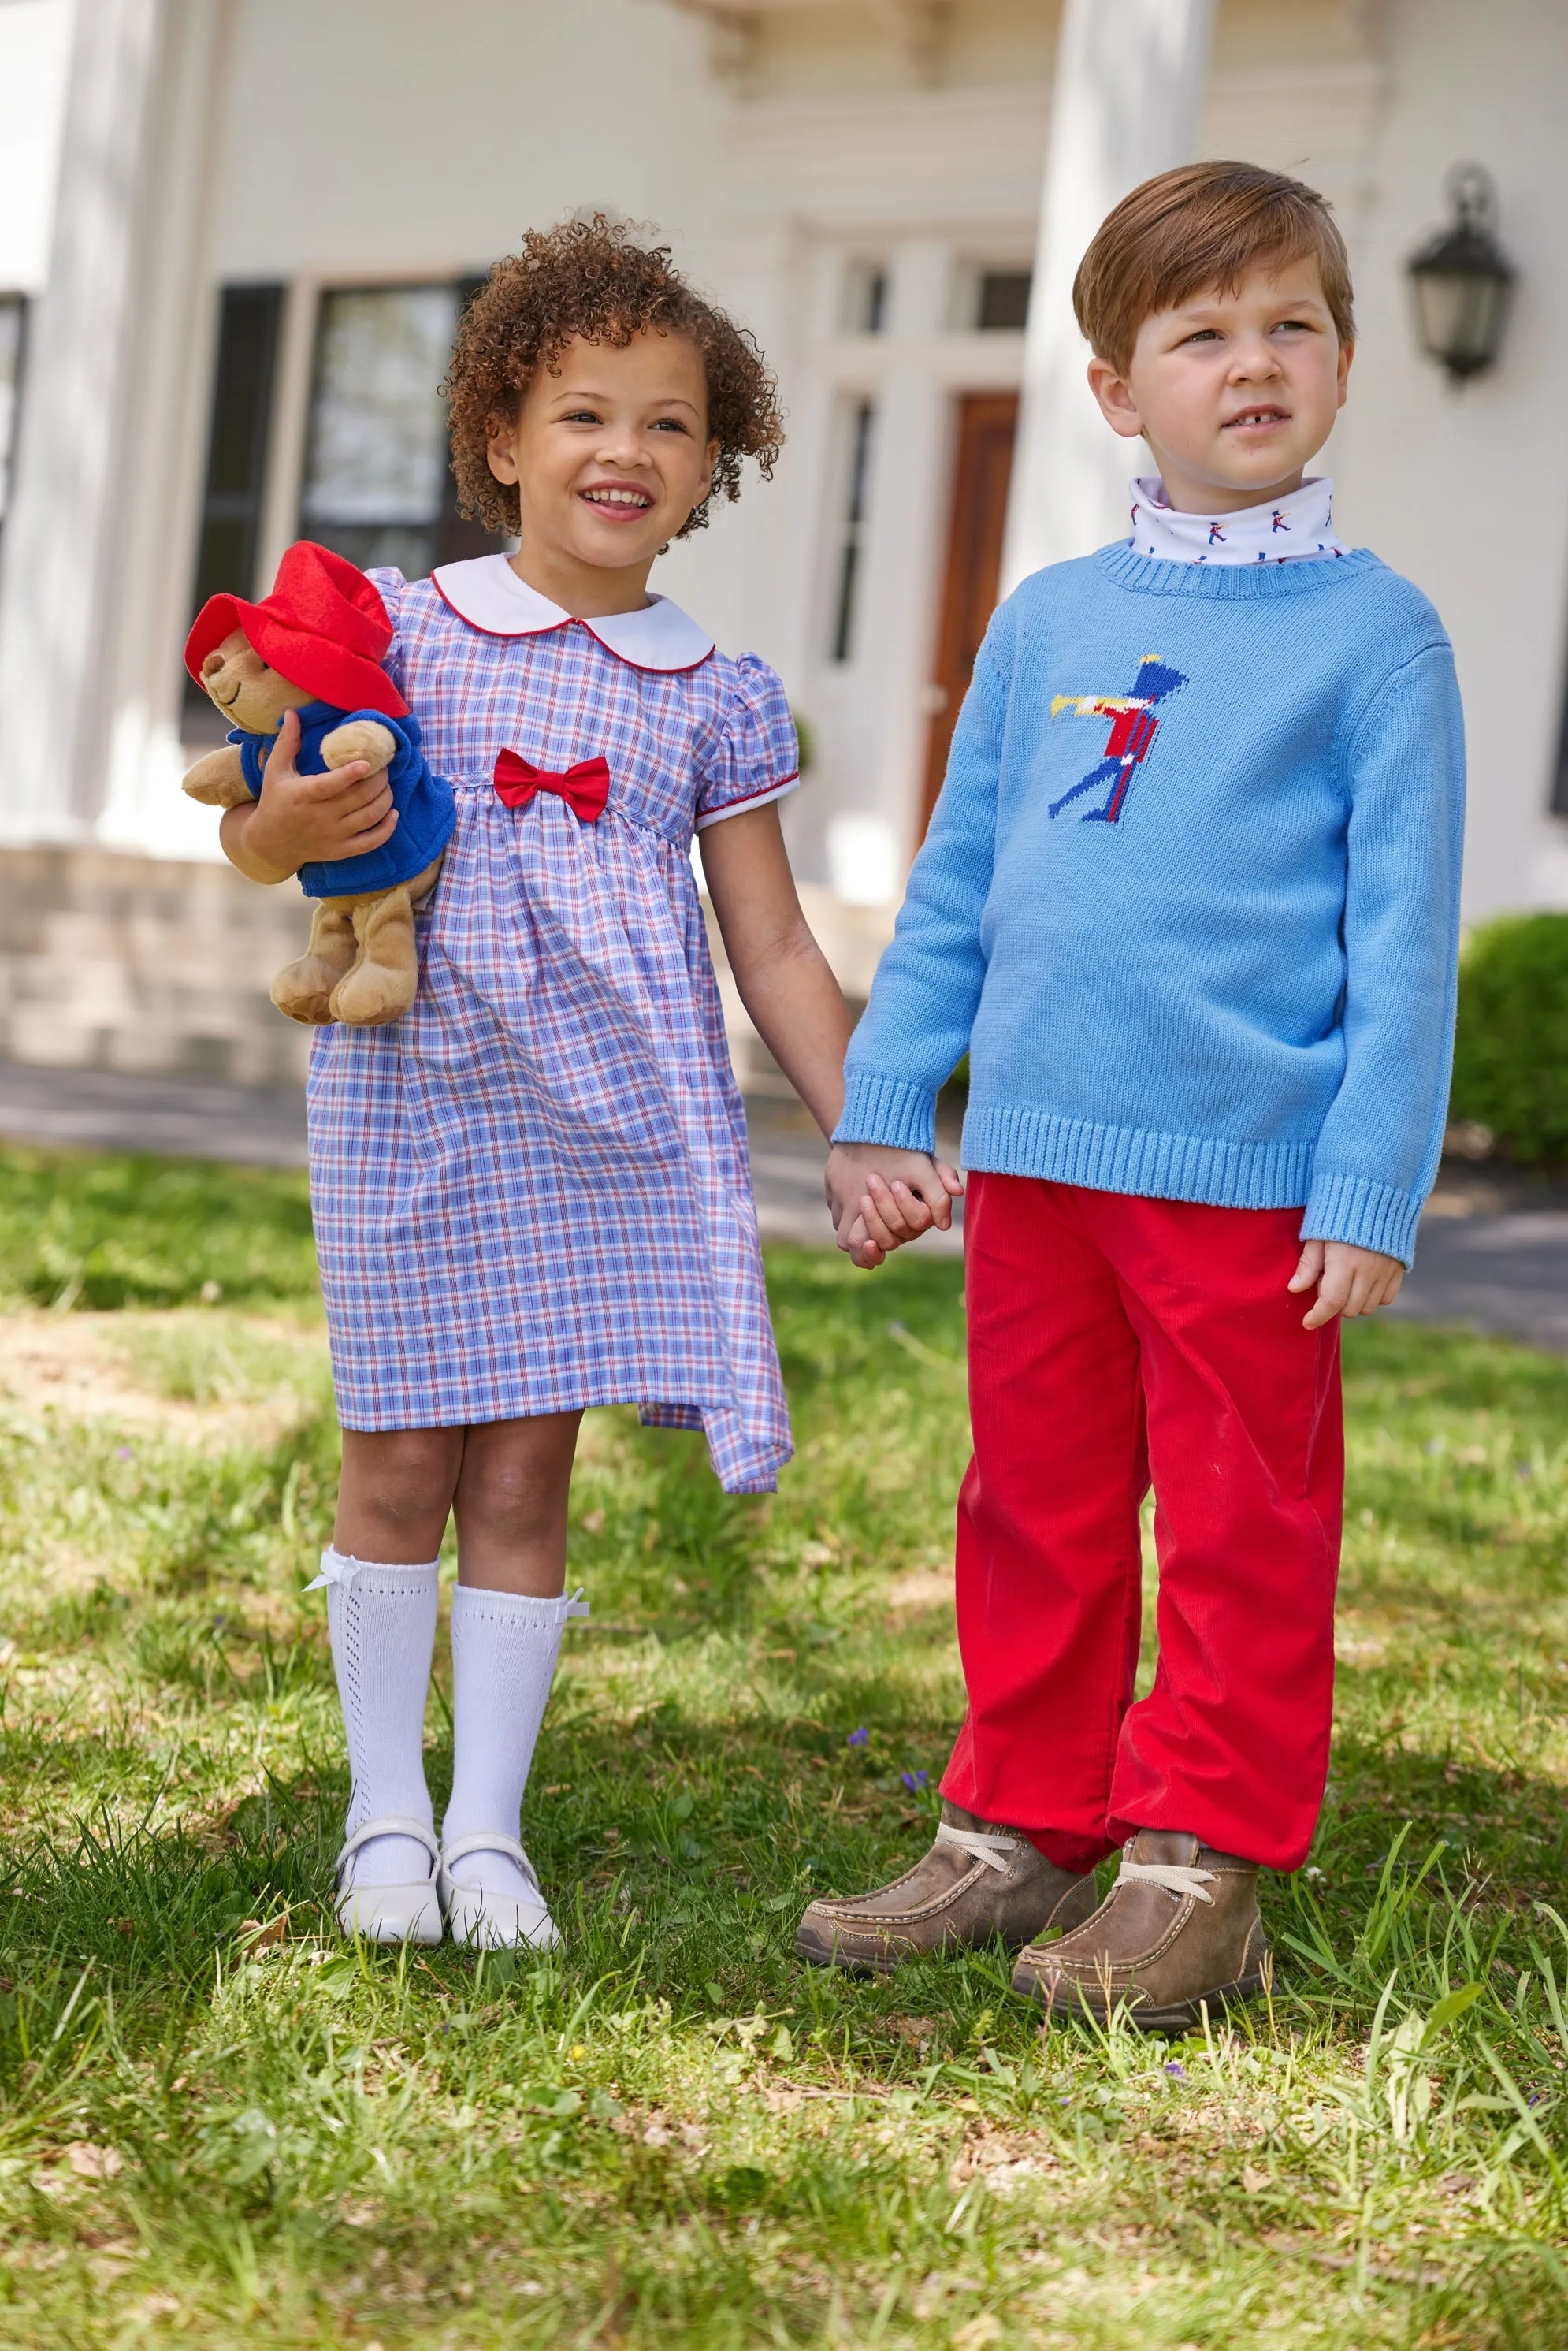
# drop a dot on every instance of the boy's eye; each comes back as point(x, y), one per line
point(1203, 335)
point(1294, 327)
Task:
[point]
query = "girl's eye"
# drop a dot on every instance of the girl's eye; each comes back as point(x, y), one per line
point(669, 424)
point(583, 416)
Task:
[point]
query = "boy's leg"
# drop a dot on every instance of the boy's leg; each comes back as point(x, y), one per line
point(1246, 1442)
point(1048, 1591)
point(1050, 1587)
point(1221, 1768)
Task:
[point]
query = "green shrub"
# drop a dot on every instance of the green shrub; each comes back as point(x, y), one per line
point(1511, 1056)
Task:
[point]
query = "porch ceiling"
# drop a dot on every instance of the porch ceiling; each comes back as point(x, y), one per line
point(916, 26)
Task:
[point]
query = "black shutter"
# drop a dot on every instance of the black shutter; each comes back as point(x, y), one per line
point(1559, 802)
point(458, 536)
point(237, 441)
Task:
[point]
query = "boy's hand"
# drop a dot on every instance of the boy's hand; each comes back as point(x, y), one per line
point(880, 1198)
point(307, 819)
point(1348, 1281)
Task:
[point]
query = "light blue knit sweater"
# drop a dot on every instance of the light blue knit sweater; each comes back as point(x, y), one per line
point(1190, 895)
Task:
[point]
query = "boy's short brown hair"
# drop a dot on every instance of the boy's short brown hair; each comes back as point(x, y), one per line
point(1202, 224)
point(588, 278)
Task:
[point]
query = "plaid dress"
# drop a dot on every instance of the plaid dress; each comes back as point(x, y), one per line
point(531, 1193)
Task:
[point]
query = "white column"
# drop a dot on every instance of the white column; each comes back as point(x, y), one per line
point(101, 397)
point(1125, 103)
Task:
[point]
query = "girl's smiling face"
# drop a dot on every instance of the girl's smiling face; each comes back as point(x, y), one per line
point(1234, 393)
point(611, 453)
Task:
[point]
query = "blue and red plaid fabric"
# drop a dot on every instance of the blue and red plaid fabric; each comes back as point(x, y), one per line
point(532, 1193)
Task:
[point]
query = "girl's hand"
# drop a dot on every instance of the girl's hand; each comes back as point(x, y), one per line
point(307, 819)
point(1348, 1281)
point(880, 1198)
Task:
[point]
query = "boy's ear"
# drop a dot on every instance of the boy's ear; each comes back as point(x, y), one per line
point(1114, 395)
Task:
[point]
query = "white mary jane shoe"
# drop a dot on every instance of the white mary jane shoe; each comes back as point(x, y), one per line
point(390, 1914)
point(493, 1922)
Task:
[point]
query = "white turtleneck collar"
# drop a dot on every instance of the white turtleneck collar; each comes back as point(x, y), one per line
point(1298, 528)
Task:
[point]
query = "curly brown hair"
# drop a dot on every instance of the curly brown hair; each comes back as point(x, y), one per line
point(588, 278)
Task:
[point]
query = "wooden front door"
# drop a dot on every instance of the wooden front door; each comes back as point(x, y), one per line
point(987, 424)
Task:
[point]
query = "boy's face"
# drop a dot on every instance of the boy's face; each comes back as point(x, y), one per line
point(1234, 393)
point(610, 453)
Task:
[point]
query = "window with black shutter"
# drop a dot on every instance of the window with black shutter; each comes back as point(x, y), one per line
point(237, 440)
point(378, 485)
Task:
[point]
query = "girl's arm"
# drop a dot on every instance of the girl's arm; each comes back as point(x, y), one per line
point(794, 1002)
point(782, 974)
point(303, 820)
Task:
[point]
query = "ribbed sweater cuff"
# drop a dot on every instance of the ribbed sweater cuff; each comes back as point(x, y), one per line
point(888, 1111)
point(1370, 1215)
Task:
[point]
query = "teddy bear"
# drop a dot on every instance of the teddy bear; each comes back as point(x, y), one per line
point(315, 645)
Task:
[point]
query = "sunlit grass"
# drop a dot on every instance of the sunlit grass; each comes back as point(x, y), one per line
point(217, 2125)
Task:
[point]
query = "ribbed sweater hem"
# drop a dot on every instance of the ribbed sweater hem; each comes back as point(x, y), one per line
point(1002, 1140)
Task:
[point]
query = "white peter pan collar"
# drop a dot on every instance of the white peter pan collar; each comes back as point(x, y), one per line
point(487, 594)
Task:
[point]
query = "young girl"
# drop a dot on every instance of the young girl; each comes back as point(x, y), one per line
point(531, 1193)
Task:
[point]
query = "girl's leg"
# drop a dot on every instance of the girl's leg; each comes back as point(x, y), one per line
point(507, 1618)
point(393, 1504)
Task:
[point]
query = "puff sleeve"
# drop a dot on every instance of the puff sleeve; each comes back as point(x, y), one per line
point(389, 586)
point(754, 756)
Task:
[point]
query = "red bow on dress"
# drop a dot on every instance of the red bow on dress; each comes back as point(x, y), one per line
point(585, 787)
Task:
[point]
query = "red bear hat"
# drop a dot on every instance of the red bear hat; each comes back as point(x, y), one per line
point(323, 628)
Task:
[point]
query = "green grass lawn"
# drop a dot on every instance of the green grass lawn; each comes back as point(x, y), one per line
point(219, 2126)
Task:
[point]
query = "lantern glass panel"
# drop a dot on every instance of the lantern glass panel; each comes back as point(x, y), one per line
point(1460, 316)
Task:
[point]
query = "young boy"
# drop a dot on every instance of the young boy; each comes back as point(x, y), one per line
point(1189, 902)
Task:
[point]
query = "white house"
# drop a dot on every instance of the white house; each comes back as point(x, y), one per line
point(233, 238)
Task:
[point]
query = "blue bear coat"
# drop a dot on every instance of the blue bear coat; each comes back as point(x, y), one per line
point(426, 813)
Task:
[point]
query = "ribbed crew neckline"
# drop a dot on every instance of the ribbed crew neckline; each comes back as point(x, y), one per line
point(1157, 576)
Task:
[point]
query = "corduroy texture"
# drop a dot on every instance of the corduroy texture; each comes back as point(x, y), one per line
point(1114, 1341)
point(503, 1652)
point(383, 1625)
point(1192, 912)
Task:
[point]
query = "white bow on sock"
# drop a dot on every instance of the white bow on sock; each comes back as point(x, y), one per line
point(381, 1620)
point(503, 1651)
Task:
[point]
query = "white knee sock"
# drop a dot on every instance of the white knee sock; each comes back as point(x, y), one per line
point(382, 1623)
point(504, 1648)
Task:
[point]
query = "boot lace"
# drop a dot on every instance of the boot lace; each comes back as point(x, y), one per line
point(995, 1852)
point(1176, 1878)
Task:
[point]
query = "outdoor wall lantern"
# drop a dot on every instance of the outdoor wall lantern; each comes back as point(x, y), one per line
point(1462, 279)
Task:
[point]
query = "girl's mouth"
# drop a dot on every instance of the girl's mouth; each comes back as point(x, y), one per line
point(621, 501)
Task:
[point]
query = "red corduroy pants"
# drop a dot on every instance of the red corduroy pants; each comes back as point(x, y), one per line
point(1116, 1342)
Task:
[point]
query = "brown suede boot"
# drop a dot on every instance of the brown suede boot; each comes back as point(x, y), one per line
point(979, 1880)
point(1180, 1926)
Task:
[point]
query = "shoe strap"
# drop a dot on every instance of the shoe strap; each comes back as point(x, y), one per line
point(1176, 1878)
point(995, 1852)
point(398, 1825)
point(489, 1841)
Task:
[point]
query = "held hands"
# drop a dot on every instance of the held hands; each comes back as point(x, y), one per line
point(1348, 1281)
point(880, 1198)
point(307, 819)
